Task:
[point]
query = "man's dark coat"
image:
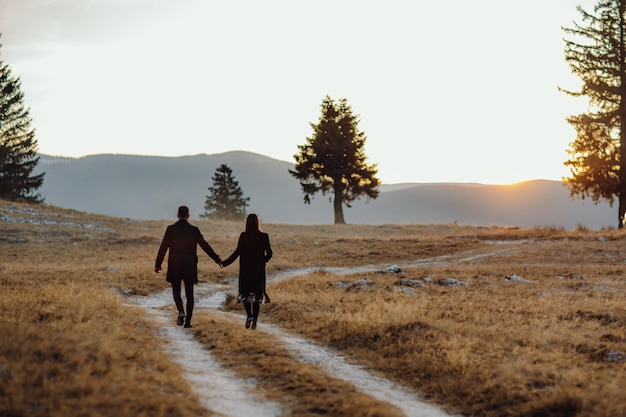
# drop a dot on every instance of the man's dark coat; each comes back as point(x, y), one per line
point(182, 239)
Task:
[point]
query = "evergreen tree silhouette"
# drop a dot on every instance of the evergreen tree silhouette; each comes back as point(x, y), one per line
point(225, 200)
point(18, 146)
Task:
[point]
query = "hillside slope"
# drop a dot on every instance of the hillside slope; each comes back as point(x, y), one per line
point(150, 187)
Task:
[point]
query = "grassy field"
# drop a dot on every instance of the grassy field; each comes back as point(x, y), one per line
point(549, 340)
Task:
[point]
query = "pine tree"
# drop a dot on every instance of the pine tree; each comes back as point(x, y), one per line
point(333, 159)
point(18, 146)
point(226, 200)
point(595, 52)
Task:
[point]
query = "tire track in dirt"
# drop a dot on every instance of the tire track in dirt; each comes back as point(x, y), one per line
point(466, 256)
point(219, 390)
point(335, 364)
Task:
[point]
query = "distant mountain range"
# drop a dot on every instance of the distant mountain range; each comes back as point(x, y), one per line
point(151, 187)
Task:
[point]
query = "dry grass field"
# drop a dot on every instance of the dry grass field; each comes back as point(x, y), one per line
point(483, 321)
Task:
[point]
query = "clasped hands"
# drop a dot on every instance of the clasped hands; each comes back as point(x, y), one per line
point(158, 270)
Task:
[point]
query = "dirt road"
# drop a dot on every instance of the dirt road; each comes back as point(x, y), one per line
point(221, 392)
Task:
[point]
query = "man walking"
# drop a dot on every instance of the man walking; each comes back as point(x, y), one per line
point(181, 238)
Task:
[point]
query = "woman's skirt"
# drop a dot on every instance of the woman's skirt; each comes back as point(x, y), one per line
point(252, 298)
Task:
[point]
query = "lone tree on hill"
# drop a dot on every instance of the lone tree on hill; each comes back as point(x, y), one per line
point(596, 53)
point(18, 146)
point(333, 159)
point(226, 200)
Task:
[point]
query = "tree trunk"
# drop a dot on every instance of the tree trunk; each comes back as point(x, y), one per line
point(338, 205)
point(621, 188)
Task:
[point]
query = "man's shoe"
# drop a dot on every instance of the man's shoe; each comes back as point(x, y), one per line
point(187, 325)
point(253, 324)
point(248, 322)
point(181, 318)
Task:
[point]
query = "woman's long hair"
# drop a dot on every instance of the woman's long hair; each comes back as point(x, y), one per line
point(252, 223)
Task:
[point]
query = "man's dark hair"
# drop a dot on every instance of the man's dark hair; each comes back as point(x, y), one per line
point(183, 211)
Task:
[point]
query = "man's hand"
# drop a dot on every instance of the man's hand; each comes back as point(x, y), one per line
point(157, 270)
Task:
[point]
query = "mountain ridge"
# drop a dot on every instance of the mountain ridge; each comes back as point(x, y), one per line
point(152, 187)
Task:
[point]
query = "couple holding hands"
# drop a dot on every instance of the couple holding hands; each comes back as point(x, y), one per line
point(253, 250)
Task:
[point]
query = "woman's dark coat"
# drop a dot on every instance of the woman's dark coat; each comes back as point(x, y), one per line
point(253, 250)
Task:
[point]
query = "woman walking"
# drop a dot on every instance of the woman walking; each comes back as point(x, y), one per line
point(254, 251)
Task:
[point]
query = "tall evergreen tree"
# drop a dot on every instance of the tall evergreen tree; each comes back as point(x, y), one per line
point(226, 200)
point(333, 159)
point(595, 51)
point(18, 146)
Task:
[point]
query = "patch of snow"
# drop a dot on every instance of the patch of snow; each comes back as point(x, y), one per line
point(405, 290)
point(515, 278)
point(12, 214)
point(509, 242)
point(571, 275)
point(614, 356)
point(394, 269)
point(411, 283)
point(452, 282)
point(595, 287)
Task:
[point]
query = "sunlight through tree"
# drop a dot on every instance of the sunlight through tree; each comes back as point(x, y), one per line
point(595, 51)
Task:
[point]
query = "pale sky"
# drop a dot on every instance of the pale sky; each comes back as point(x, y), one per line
point(454, 91)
